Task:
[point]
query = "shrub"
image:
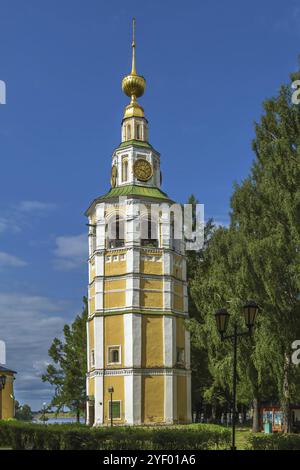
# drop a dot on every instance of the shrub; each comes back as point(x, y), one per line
point(274, 442)
point(79, 437)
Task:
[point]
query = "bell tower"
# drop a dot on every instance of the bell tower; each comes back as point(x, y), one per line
point(138, 346)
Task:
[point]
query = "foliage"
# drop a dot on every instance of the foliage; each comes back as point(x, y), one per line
point(256, 257)
point(274, 442)
point(68, 372)
point(23, 412)
point(80, 437)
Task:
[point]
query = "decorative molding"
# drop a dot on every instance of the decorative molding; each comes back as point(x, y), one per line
point(143, 372)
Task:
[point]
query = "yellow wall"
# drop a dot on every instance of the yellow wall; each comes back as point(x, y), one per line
point(115, 299)
point(117, 382)
point(114, 268)
point(180, 333)
point(152, 341)
point(91, 387)
point(177, 267)
point(178, 296)
point(151, 293)
point(152, 398)
point(114, 336)
point(6, 402)
point(151, 284)
point(91, 334)
point(148, 266)
point(181, 399)
point(92, 269)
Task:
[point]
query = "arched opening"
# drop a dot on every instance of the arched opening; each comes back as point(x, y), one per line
point(115, 232)
point(128, 131)
point(138, 132)
point(149, 232)
point(124, 170)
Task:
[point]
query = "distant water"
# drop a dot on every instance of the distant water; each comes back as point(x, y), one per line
point(58, 421)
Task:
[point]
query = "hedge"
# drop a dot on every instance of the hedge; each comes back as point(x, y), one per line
point(19, 435)
point(276, 441)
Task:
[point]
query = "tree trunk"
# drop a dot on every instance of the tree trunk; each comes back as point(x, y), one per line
point(77, 415)
point(286, 406)
point(256, 415)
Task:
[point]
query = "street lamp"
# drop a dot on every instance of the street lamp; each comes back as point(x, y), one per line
point(2, 381)
point(111, 391)
point(222, 318)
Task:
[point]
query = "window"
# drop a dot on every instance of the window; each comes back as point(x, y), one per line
point(180, 356)
point(124, 169)
point(128, 129)
point(114, 355)
point(138, 131)
point(114, 409)
point(115, 232)
point(149, 233)
point(92, 358)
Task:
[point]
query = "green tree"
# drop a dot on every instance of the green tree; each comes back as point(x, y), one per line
point(67, 373)
point(23, 412)
point(258, 257)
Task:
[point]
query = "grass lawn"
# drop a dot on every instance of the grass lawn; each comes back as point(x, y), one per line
point(242, 435)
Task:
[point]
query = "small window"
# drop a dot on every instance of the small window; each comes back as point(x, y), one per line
point(114, 355)
point(138, 131)
point(180, 356)
point(92, 358)
point(128, 132)
point(114, 409)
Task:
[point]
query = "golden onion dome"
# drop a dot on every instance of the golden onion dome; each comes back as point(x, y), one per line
point(133, 85)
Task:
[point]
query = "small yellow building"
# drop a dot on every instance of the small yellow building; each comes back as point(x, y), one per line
point(7, 377)
point(138, 346)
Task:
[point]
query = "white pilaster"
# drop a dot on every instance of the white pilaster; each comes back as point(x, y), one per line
point(100, 228)
point(189, 398)
point(187, 350)
point(87, 414)
point(99, 287)
point(133, 340)
point(99, 400)
point(169, 399)
point(133, 398)
point(169, 340)
point(99, 264)
point(167, 294)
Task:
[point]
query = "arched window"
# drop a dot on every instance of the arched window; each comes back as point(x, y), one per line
point(124, 169)
point(128, 132)
point(138, 132)
point(149, 232)
point(115, 232)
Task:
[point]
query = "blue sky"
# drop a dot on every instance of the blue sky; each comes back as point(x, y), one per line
point(208, 66)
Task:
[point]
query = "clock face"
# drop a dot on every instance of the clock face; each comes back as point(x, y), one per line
point(113, 178)
point(142, 170)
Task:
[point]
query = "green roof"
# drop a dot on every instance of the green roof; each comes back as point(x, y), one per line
point(136, 143)
point(134, 190)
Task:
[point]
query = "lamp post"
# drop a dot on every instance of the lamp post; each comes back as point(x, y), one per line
point(111, 391)
point(2, 381)
point(222, 318)
point(2, 385)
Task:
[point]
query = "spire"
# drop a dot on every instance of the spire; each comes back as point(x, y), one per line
point(133, 85)
point(133, 69)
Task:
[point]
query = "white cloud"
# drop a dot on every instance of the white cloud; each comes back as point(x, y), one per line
point(8, 224)
point(11, 261)
point(71, 251)
point(28, 325)
point(35, 206)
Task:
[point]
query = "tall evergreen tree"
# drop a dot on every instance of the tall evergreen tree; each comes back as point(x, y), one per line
point(67, 373)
